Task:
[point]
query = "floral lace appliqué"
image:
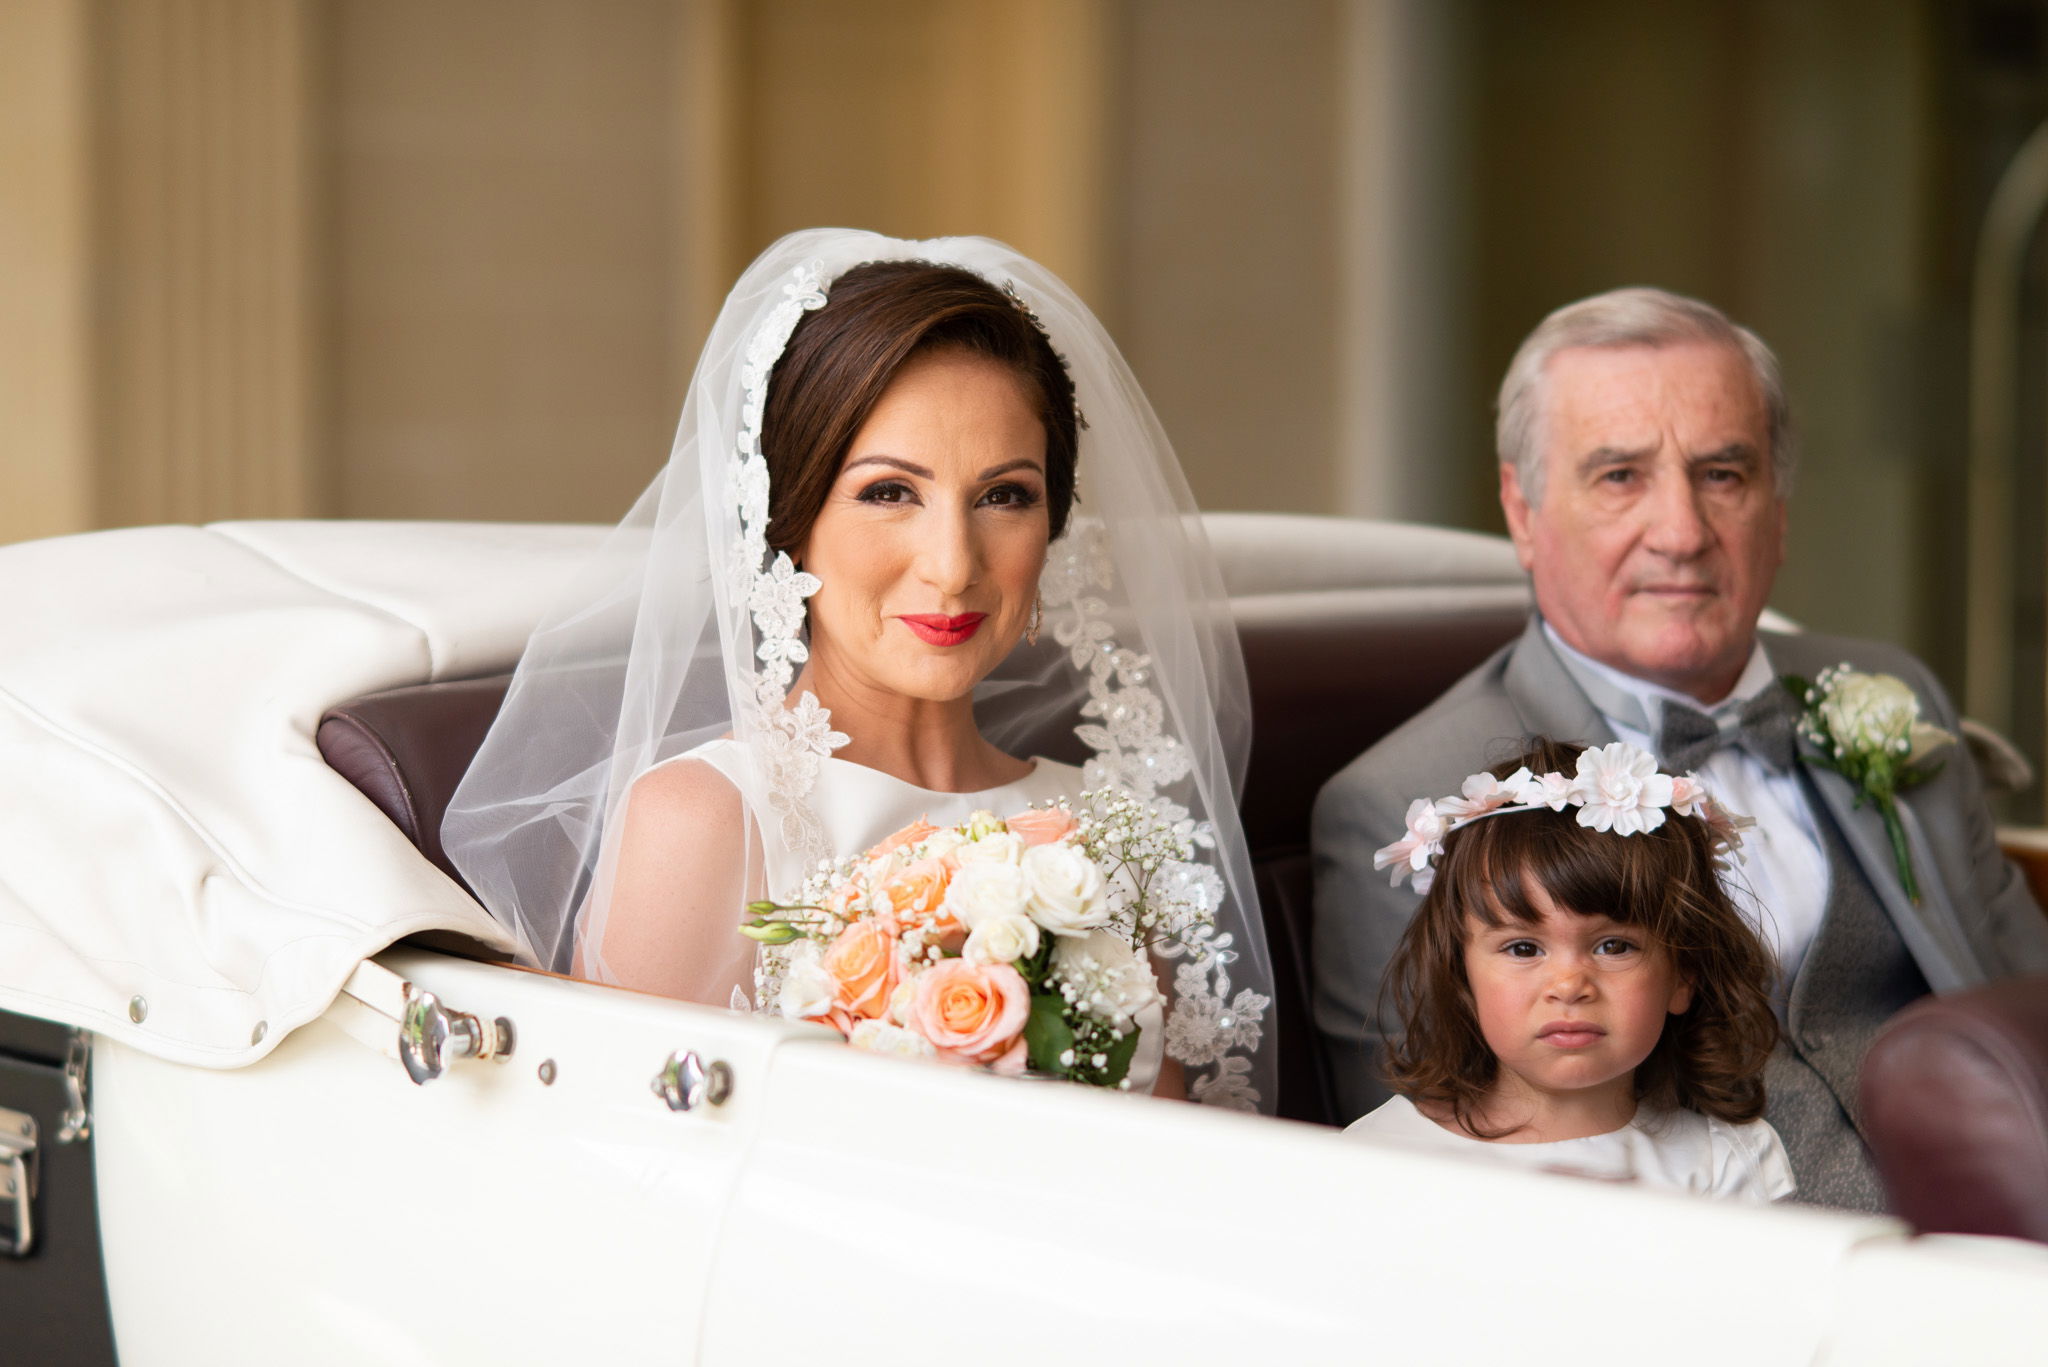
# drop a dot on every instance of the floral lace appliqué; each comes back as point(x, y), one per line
point(792, 741)
point(1126, 728)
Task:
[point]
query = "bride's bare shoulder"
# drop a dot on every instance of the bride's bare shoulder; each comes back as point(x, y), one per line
point(684, 793)
point(672, 909)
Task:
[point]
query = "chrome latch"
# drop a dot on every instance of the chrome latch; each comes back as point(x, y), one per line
point(76, 1126)
point(17, 1183)
point(685, 1082)
point(430, 1036)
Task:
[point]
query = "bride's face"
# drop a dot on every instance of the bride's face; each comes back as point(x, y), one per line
point(930, 542)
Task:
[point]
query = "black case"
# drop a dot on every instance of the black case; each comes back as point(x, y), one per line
point(53, 1303)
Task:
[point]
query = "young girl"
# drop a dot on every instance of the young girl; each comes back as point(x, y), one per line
point(1577, 991)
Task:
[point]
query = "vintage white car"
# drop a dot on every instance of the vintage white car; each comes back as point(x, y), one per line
point(247, 1011)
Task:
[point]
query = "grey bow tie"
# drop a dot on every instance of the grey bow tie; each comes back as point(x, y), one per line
point(1767, 727)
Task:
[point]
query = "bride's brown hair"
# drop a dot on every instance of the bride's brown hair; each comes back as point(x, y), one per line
point(1710, 1058)
point(842, 356)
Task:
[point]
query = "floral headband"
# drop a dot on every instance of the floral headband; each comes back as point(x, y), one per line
point(1617, 788)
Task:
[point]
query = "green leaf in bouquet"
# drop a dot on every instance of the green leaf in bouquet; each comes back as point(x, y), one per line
point(1119, 1055)
point(1047, 1034)
point(1034, 968)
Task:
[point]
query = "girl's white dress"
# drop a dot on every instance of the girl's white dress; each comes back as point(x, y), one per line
point(1682, 1150)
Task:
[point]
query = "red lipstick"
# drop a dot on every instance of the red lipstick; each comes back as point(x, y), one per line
point(936, 629)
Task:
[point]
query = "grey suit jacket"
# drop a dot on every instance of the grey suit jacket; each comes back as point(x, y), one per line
point(1975, 921)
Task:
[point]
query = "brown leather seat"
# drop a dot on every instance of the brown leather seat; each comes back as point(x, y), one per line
point(1329, 673)
point(1955, 1108)
point(406, 749)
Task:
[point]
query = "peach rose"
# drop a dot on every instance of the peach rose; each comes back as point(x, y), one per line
point(863, 963)
point(915, 832)
point(1042, 825)
point(841, 899)
point(916, 896)
point(1013, 1060)
point(973, 1011)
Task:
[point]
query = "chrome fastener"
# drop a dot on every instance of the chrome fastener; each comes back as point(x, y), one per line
point(686, 1082)
point(17, 1183)
point(430, 1036)
point(76, 1125)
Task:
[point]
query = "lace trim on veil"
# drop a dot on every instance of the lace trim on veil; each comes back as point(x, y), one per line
point(791, 741)
point(1136, 754)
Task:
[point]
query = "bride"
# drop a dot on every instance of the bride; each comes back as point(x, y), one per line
point(918, 520)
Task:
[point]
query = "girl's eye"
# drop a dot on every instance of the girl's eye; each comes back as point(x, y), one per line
point(1521, 949)
point(887, 491)
point(1614, 944)
point(1011, 496)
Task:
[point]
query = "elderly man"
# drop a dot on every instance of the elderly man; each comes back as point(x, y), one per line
point(1645, 463)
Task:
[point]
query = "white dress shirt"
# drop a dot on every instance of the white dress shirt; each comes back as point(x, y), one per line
point(1782, 881)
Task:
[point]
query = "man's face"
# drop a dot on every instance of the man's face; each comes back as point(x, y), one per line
point(1661, 525)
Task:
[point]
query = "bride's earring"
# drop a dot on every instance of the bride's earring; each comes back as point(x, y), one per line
point(1037, 620)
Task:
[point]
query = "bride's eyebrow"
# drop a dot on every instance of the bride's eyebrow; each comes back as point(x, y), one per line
point(1023, 463)
point(905, 466)
point(1004, 469)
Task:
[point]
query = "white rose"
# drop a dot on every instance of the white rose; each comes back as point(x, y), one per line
point(942, 843)
point(981, 892)
point(1002, 940)
point(807, 990)
point(1870, 711)
point(1114, 983)
point(997, 847)
point(901, 999)
point(1066, 889)
point(878, 1037)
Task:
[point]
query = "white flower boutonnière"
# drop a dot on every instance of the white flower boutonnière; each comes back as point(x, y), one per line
point(1867, 728)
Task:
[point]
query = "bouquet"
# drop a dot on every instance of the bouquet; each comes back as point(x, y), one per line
point(1005, 943)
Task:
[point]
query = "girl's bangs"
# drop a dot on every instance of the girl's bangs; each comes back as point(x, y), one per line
point(1489, 866)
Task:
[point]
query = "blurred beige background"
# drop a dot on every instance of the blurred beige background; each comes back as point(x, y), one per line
point(453, 258)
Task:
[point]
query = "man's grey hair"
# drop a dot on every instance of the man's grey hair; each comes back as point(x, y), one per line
point(1637, 316)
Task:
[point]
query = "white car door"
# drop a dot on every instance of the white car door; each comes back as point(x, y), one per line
point(318, 1207)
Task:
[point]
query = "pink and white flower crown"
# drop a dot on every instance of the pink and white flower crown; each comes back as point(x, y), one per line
point(1617, 788)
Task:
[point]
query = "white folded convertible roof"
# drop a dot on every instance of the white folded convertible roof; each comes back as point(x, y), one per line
point(179, 868)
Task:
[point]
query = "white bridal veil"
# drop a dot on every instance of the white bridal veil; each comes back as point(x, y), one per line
point(684, 628)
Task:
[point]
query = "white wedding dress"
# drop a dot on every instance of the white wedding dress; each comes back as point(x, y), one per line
point(859, 807)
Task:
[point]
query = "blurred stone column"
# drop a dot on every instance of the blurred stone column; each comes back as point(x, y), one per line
point(46, 448)
point(203, 373)
point(1403, 258)
point(156, 348)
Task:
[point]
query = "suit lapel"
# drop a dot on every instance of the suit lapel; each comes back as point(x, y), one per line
point(1930, 930)
point(1941, 959)
point(1546, 698)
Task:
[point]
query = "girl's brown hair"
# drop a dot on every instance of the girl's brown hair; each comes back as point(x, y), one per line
point(1709, 1059)
point(843, 355)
